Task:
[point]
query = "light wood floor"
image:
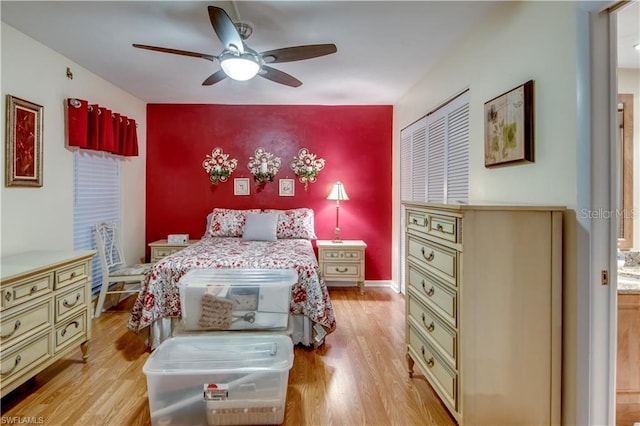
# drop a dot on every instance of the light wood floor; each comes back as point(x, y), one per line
point(358, 377)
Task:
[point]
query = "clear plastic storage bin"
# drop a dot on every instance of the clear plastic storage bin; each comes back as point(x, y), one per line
point(228, 379)
point(236, 299)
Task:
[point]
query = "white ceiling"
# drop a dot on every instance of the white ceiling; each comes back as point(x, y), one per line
point(384, 47)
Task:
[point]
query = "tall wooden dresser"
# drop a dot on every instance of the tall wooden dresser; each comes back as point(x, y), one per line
point(484, 309)
point(45, 308)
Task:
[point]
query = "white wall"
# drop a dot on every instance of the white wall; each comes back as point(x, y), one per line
point(629, 82)
point(42, 218)
point(520, 41)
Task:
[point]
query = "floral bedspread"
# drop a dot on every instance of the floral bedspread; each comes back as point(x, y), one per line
point(160, 295)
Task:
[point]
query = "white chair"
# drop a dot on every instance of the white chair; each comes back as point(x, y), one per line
point(114, 270)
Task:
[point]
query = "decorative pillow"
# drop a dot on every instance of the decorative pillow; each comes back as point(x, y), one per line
point(228, 222)
point(295, 223)
point(260, 227)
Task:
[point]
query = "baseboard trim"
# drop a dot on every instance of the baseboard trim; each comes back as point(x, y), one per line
point(367, 283)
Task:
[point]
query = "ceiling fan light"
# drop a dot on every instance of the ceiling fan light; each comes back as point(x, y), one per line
point(239, 67)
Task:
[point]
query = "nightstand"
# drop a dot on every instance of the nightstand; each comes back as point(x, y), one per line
point(162, 248)
point(343, 261)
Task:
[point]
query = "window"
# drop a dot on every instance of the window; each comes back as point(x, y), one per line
point(96, 198)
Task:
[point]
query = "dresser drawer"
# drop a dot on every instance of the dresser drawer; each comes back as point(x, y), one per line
point(432, 256)
point(349, 271)
point(27, 289)
point(445, 227)
point(69, 302)
point(342, 255)
point(33, 352)
point(435, 294)
point(28, 319)
point(430, 325)
point(444, 379)
point(417, 221)
point(69, 330)
point(70, 274)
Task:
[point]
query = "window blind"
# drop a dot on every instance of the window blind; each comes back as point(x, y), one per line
point(96, 198)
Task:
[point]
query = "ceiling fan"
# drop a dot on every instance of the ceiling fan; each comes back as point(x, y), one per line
point(239, 62)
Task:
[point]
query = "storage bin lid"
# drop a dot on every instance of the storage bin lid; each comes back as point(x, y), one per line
point(221, 353)
point(239, 277)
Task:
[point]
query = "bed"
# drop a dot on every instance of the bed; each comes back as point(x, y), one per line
point(249, 239)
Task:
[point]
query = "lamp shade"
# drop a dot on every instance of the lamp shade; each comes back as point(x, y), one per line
point(337, 192)
point(239, 67)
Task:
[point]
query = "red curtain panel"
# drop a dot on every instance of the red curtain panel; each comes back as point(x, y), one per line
point(77, 122)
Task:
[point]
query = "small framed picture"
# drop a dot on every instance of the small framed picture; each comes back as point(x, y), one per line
point(241, 186)
point(287, 187)
point(508, 127)
point(23, 158)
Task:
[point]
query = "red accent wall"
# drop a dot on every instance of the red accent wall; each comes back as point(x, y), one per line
point(355, 141)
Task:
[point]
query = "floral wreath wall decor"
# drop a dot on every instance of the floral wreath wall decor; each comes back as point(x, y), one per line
point(219, 166)
point(306, 166)
point(263, 166)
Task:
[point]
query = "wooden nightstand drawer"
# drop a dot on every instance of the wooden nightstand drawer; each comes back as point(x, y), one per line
point(27, 319)
point(342, 255)
point(341, 270)
point(162, 248)
point(28, 289)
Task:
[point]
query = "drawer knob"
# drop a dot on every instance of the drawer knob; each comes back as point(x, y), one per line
point(430, 257)
point(415, 221)
point(439, 228)
point(66, 304)
point(75, 323)
point(15, 364)
point(73, 275)
point(7, 296)
point(429, 292)
point(34, 289)
point(430, 327)
point(16, 326)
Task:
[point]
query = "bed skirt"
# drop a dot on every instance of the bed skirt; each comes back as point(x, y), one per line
point(302, 331)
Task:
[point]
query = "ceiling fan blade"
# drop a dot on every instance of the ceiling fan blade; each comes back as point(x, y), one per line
point(224, 28)
point(298, 53)
point(279, 76)
point(214, 78)
point(175, 51)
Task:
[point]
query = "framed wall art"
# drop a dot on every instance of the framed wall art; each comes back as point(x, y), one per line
point(287, 187)
point(241, 186)
point(23, 139)
point(508, 127)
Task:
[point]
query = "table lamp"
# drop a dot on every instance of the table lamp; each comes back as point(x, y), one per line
point(338, 194)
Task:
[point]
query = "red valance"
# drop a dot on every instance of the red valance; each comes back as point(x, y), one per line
point(100, 129)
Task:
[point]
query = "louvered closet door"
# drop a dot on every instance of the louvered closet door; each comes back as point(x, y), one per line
point(413, 172)
point(458, 151)
point(436, 158)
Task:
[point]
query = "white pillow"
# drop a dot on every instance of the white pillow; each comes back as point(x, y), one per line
point(260, 227)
